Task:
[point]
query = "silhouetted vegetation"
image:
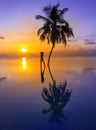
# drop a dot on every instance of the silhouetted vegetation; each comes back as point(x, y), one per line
point(42, 66)
point(55, 29)
point(42, 59)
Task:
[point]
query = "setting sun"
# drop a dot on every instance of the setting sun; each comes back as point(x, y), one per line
point(23, 49)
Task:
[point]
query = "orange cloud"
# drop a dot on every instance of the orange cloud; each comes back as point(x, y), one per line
point(1, 37)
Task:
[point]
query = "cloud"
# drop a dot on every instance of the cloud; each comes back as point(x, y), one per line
point(90, 41)
point(72, 40)
point(87, 51)
point(89, 70)
point(1, 37)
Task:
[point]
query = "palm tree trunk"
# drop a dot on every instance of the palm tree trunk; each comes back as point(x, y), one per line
point(50, 55)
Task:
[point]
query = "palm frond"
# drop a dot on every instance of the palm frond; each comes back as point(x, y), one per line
point(68, 31)
point(48, 39)
point(42, 37)
point(71, 32)
point(62, 12)
point(39, 31)
point(57, 5)
point(42, 17)
point(63, 38)
point(47, 9)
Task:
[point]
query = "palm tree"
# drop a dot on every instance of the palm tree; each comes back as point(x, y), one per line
point(55, 29)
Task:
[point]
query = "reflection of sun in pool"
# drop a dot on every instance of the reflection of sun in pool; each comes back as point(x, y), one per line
point(23, 49)
point(24, 62)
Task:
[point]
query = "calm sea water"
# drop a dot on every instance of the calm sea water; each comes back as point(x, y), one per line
point(22, 105)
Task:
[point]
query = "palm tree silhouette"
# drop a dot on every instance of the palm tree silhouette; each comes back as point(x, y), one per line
point(55, 29)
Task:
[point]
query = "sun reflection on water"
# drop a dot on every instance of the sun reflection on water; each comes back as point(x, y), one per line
point(24, 63)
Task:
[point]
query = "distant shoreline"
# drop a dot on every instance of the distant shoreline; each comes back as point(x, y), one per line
point(33, 57)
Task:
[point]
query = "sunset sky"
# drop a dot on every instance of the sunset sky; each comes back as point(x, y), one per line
point(18, 27)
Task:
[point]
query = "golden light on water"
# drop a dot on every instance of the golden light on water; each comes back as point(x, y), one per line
point(24, 63)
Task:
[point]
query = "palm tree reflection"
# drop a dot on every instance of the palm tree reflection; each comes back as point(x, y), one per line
point(42, 73)
point(57, 96)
